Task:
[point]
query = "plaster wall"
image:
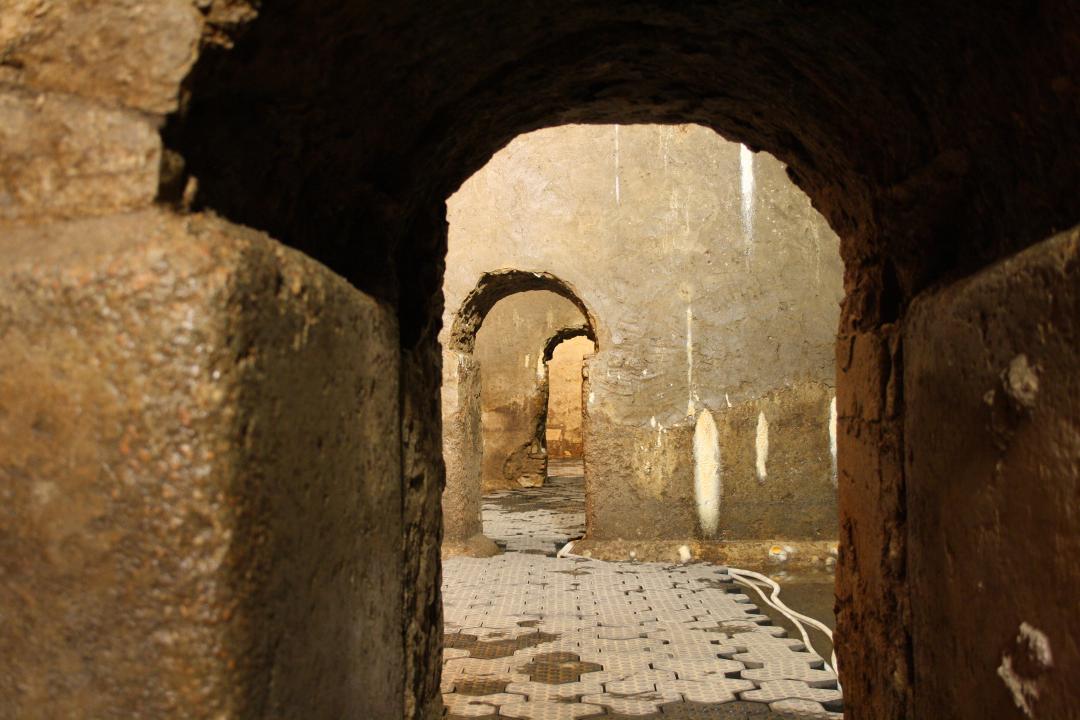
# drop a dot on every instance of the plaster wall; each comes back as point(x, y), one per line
point(714, 287)
point(563, 429)
point(514, 385)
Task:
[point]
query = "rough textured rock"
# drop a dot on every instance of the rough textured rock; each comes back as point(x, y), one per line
point(998, 477)
point(872, 575)
point(422, 481)
point(169, 543)
point(127, 52)
point(712, 285)
point(63, 156)
point(936, 138)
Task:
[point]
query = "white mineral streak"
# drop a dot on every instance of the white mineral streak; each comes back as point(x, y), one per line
point(832, 438)
point(708, 486)
point(746, 187)
point(761, 446)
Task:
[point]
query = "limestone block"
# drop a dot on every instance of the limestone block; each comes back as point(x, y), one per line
point(64, 156)
point(200, 517)
point(130, 52)
point(992, 433)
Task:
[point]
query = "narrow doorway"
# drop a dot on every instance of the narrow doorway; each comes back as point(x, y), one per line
point(543, 518)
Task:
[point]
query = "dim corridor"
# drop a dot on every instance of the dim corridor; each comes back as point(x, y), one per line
point(532, 635)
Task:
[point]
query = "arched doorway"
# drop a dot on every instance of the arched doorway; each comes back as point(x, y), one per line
point(471, 459)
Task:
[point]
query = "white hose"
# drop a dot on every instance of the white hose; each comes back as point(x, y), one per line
point(748, 577)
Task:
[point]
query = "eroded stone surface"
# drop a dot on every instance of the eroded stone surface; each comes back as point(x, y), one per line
point(712, 286)
point(1000, 471)
point(514, 382)
point(961, 158)
point(63, 156)
point(126, 52)
point(165, 526)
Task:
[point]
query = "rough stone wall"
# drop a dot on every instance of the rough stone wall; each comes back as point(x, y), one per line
point(996, 475)
point(514, 388)
point(936, 138)
point(563, 428)
point(714, 287)
point(167, 531)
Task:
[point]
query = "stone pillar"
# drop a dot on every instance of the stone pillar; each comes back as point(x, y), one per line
point(200, 476)
point(992, 428)
point(463, 455)
point(872, 640)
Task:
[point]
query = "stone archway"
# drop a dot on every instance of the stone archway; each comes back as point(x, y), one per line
point(563, 334)
point(938, 140)
point(558, 338)
point(463, 444)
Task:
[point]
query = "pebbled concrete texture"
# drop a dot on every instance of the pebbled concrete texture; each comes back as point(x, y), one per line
point(996, 477)
point(165, 528)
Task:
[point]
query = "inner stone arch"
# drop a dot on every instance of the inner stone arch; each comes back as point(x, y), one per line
point(495, 285)
point(563, 334)
point(528, 313)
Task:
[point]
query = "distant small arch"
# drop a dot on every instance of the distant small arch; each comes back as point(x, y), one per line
point(563, 334)
point(498, 284)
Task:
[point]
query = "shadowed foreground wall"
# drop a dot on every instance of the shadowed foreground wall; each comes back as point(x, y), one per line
point(170, 545)
point(997, 477)
point(714, 287)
